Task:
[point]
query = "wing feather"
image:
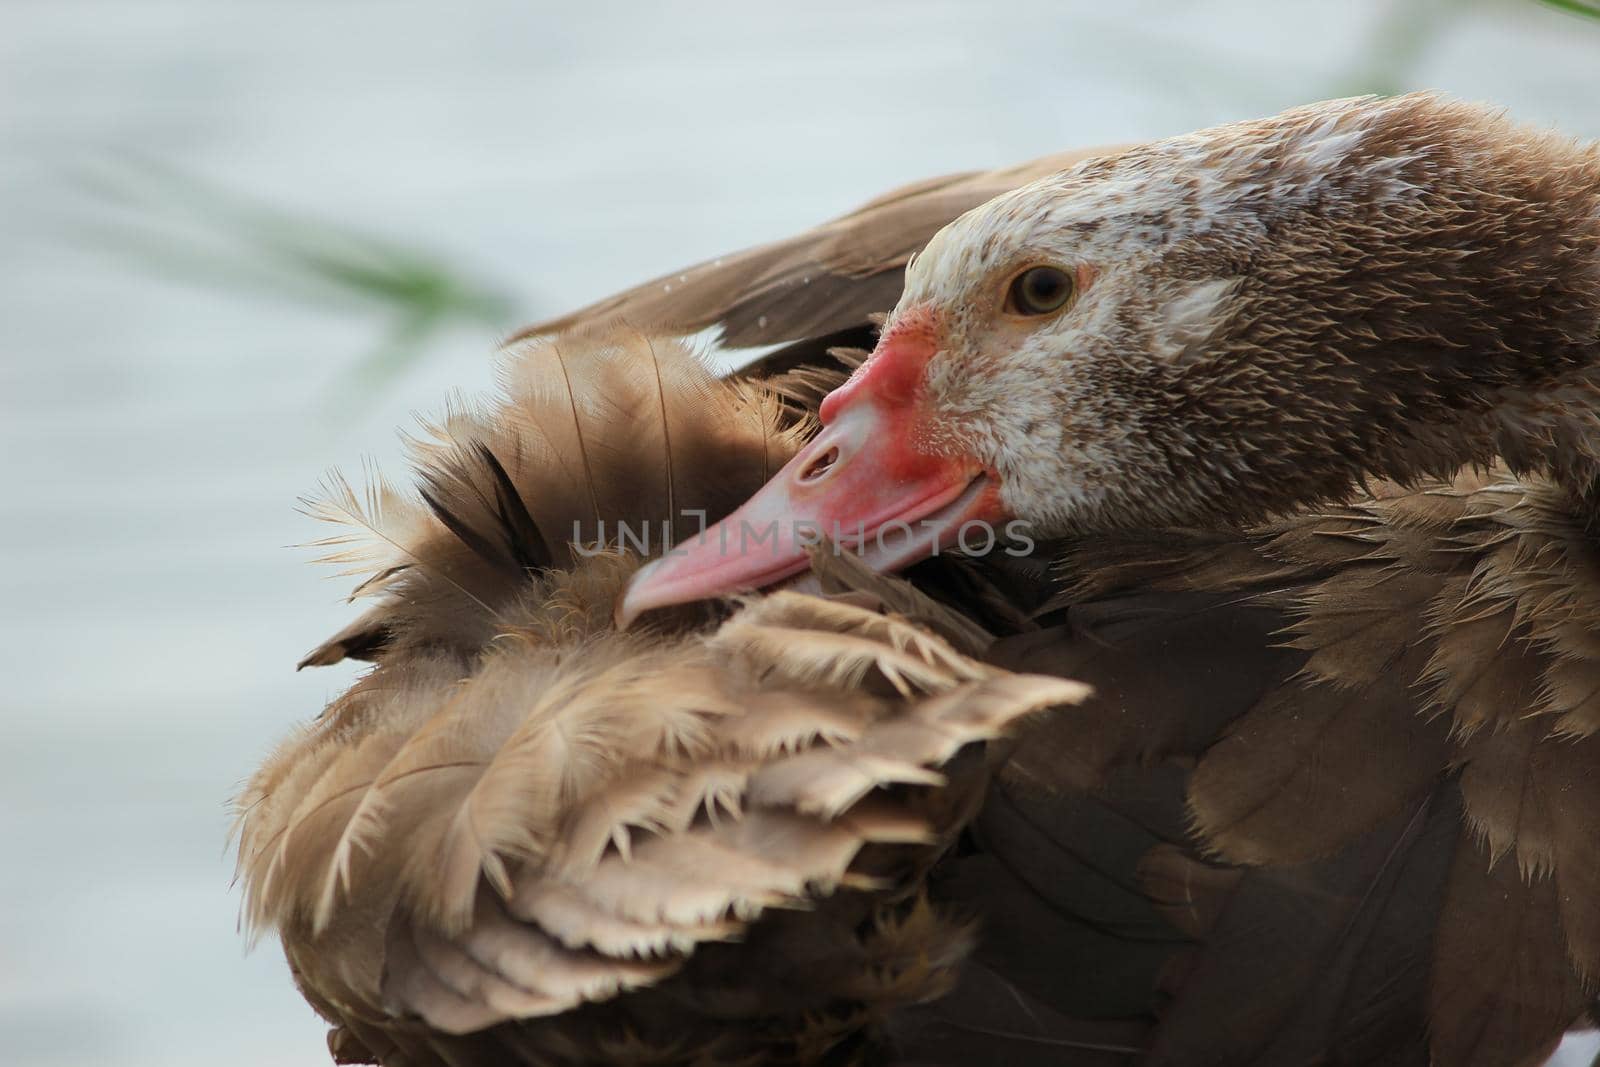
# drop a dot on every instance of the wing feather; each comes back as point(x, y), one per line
point(835, 276)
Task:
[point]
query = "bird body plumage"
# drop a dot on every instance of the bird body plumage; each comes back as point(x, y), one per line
point(1332, 793)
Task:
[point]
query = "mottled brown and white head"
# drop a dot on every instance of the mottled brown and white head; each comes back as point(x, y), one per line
point(1204, 330)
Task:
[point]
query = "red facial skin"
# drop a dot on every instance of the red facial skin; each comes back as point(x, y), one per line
point(861, 483)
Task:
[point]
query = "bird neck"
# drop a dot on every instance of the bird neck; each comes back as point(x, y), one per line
point(1474, 335)
point(1463, 326)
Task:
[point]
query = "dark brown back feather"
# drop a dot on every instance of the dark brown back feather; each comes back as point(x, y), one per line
point(1367, 710)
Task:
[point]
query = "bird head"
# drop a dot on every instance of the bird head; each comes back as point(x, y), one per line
point(1205, 330)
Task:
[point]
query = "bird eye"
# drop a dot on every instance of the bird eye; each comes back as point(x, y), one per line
point(1039, 291)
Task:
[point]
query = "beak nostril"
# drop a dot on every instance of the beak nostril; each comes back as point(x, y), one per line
point(818, 468)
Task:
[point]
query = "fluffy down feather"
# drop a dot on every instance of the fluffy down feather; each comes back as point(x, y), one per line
point(526, 833)
point(600, 439)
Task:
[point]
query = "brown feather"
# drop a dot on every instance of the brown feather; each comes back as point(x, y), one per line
point(605, 432)
point(818, 282)
point(573, 813)
point(1190, 893)
point(1313, 766)
point(1503, 991)
point(1324, 675)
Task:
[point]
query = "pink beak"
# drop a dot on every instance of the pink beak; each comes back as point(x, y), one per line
point(859, 484)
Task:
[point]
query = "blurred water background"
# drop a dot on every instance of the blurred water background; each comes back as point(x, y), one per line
point(240, 241)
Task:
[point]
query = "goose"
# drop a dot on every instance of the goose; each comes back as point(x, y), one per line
point(1294, 418)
